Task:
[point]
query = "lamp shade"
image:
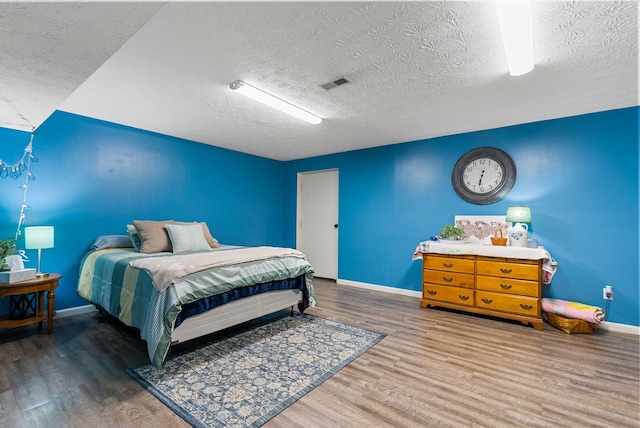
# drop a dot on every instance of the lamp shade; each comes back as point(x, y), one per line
point(518, 215)
point(38, 237)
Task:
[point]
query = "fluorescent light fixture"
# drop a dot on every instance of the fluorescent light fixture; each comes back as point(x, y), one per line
point(516, 25)
point(271, 101)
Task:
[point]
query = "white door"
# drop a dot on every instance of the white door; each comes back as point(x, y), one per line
point(317, 225)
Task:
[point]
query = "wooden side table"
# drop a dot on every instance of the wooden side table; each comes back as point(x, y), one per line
point(41, 285)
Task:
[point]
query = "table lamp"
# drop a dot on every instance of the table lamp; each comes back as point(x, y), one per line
point(37, 238)
point(518, 233)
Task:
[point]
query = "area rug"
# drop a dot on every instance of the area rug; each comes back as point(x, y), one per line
point(246, 379)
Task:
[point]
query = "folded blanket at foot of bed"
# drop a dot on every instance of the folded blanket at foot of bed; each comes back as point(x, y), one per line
point(575, 310)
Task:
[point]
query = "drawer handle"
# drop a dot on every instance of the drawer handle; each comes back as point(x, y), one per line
point(505, 286)
point(487, 301)
point(503, 270)
point(433, 293)
point(526, 307)
point(463, 297)
point(447, 265)
point(447, 279)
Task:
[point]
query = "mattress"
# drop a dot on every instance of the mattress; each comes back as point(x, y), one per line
point(108, 280)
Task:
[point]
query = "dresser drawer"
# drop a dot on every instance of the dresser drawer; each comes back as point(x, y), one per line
point(508, 285)
point(465, 280)
point(465, 264)
point(457, 295)
point(508, 303)
point(506, 269)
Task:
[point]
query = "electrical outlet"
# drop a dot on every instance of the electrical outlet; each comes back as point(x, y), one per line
point(607, 292)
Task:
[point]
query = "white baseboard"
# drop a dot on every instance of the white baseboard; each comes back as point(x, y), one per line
point(619, 328)
point(609, 326)
point(63, 313)
point(383, 288)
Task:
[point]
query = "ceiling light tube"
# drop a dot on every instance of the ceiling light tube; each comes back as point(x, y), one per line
point(271, 101)
point(516, 26)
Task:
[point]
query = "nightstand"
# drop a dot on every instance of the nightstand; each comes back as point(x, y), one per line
point(40, 285)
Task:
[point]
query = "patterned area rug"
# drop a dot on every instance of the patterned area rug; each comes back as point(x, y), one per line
point(246, 379)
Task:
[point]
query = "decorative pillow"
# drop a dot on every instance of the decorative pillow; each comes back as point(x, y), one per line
point(213, 242)
point(153, 235)
point(111, 241)
point(134, 236)
point(187, 238)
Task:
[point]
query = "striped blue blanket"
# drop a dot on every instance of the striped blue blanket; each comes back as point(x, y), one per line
point(109, 281)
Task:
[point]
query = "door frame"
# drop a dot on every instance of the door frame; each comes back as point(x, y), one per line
point(299, 208)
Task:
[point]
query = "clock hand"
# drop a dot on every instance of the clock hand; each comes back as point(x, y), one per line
point(480, 181)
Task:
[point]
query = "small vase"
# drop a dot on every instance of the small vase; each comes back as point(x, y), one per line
point(518, 235)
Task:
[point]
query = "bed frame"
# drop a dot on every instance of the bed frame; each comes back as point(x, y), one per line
point(231, 314)
point(234, 313)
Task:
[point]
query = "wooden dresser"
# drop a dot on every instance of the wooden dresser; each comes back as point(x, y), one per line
point(498, 286)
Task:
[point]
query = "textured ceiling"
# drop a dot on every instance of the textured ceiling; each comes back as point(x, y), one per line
point(47, 50)
point(417, 69)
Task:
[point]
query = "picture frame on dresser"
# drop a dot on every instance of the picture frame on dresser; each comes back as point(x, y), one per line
point(480, 228)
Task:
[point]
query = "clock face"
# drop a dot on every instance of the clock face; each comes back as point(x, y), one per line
point(484, 175)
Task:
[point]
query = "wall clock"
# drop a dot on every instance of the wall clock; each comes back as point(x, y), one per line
point(484, 175)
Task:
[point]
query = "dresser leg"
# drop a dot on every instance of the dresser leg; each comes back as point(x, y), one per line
point(538, 325)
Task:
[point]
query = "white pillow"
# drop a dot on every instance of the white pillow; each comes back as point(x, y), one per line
point(187, 239)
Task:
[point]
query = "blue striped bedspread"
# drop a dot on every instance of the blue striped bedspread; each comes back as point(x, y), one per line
point(128, 293)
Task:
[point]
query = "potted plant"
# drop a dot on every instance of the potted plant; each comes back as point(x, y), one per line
point(451, 232)
point(7, 248)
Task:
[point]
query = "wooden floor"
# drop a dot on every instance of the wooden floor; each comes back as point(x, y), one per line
point(435, 368)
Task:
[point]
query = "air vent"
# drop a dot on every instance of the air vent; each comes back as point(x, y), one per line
point(335, 83)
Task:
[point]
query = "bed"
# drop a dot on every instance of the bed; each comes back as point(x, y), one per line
point(175, 296)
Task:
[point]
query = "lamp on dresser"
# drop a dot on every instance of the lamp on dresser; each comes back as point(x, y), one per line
point(518, 233)
point(38, 238)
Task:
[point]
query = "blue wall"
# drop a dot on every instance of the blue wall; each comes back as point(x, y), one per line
point(94, 177)
point(579, 175)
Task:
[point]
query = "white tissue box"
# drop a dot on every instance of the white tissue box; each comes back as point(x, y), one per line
point(12, 276)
